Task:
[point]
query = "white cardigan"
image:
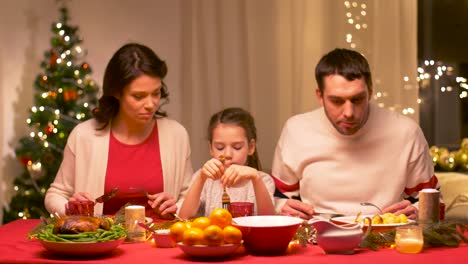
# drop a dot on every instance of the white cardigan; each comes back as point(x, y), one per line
point(84, 164)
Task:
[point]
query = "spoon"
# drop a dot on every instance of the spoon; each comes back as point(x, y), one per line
point(371, 204)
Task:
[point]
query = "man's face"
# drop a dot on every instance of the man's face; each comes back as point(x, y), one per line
point(346, 103)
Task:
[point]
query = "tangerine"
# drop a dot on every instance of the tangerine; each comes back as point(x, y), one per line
point(213, 235)
point(232, 235)
point(201, 222)
point(221, 217)
point(193, 236)
point(176, 231)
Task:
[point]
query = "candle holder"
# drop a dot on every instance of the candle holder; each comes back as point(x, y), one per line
point(409, 239)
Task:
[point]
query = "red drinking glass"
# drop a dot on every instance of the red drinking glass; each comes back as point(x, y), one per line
point(80, 208)
point(238, 209)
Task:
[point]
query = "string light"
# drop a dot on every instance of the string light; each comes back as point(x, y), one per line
point(59, 25)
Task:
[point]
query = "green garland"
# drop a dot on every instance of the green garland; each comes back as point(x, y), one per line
point(443, 234)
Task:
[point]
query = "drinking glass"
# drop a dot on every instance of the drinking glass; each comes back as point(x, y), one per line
point(409, 239)
point(80, 208)
point(238, 209)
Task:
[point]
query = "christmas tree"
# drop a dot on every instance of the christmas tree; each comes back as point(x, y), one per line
point(64, 96)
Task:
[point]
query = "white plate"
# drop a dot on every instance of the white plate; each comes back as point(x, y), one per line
point(81, 248)
point(351, 220)
point(208, 251)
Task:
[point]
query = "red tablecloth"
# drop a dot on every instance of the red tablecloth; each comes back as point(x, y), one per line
point(15, 248)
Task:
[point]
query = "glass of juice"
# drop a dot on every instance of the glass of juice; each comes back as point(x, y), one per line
point(409, 239)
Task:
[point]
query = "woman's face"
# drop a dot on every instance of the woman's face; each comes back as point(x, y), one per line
point(140, 99)
point(231, 142)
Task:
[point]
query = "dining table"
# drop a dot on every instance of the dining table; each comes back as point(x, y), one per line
point(15, 247)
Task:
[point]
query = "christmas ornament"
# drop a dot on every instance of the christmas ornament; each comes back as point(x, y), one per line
point(447, 161)
point(464, 144)
point(25, 160)
point(49, 129)
point(462, 159)
point(48, 158)
point(53, 60)
point(70, 94)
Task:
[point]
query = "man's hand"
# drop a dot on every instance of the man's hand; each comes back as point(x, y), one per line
point(297, 208)
point(403, 207)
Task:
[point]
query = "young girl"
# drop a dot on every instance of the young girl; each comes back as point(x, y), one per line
point(235, 165)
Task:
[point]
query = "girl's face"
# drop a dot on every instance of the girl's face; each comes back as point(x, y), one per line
point(139, 100)
point(231, 142)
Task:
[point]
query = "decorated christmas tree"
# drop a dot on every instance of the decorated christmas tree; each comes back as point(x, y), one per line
point(64, 96)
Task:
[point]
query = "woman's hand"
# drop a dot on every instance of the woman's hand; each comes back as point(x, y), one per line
point(213, 169)
point(238, 175)
point(163, 204)
point(403, 207)
point(80, 196)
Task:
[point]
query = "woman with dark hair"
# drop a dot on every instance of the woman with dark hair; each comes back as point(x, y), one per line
point(235, 164)
point(130, 143)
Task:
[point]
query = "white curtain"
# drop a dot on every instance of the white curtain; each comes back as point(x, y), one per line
point(261, 55)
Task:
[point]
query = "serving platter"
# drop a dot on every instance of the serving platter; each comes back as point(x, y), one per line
point(81, 248)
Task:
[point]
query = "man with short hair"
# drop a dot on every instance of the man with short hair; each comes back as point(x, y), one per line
point(350, 151)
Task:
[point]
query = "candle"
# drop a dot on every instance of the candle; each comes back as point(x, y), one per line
point(409, 239)
point(429, 207)
point(133, 215)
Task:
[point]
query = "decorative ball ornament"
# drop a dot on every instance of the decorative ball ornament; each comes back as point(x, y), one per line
point(25, 160)
point(447, 161)
point(70, 94)
point(462, 159)
point(49, 129)
point(464, 144)
point(434, 152)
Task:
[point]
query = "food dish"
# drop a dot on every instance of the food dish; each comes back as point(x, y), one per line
point(208, 251)
point(81, 248)
point(352, 220)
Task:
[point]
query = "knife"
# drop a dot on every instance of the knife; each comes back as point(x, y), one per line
point(105, 197)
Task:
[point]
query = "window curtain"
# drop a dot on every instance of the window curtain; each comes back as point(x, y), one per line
point(261, 55)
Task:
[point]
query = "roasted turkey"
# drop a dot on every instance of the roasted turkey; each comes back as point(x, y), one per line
point(75, 224)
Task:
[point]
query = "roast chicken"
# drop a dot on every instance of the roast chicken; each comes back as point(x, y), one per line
point(75, 224)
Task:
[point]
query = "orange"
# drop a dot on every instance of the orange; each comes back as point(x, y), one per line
point(193, 236)
point(232, 235)
point(213, 235)
point(221, 217)
point(201, 222)
point(177, 230)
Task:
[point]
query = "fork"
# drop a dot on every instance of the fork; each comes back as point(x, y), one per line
point(225, 199)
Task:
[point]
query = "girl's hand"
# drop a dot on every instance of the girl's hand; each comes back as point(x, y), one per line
point(238, 175)
point(80, 196)
point(163, 204)
point(213, 169)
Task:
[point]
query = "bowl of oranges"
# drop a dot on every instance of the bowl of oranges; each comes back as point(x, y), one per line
point(212, 236)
